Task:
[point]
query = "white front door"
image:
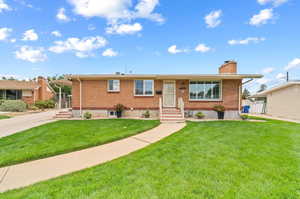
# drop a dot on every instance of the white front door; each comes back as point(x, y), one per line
point(169, 94)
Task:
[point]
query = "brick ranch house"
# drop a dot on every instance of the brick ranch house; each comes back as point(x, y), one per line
point(28, 91)
point(169, 95)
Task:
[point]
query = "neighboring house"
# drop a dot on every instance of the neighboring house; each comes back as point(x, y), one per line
point(28, 91)
point(282, 101)
point(160, 94)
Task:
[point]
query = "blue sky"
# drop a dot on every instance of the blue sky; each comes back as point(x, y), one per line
point(149, 36)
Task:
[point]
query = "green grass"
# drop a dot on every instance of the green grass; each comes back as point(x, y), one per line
point(4, 117)
point(209, 160)
point(66, 136)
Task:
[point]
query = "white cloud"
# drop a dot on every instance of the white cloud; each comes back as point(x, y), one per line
point(145, 8)
point(174, 50)
point(213, 19)
point(30, 35)
point(4, 6)
point(263, 80)
point(91, 27)
point(202, 48)
point(281, 76)
point(56, 33)
point(4, 33)
point(246, 41)
point(109, 53)
point(124, 28)
point(31, 54)
point(61, 15)
point(268, 70)
point(81, 47)
point(13, 40)
point(262, 17)
point(274, 2)
point(117, 11)
point(295, 63)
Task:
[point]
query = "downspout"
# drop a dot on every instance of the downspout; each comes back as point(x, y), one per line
point(80, 97)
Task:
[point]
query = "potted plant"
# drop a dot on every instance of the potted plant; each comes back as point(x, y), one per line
point(119, 108)
point(146, 114)
point(220, 110)
point(200, 115)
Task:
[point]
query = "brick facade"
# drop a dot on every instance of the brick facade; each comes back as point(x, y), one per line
point(96, 97)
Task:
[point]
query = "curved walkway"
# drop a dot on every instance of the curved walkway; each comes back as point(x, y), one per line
point(21, 175)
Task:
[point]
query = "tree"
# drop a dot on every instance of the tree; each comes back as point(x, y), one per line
point(246, 93)
point(262, 88)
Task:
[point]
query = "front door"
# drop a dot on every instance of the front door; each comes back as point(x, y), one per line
point(169, 94)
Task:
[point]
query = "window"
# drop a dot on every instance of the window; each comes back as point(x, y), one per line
point(205, 90)
point(112, 114)
point(2, 94)
point(113, 85)
point(144, 87)
point(10, 94)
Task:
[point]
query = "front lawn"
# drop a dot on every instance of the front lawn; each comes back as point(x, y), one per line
point(4, 117)
point(65, 136)
point(220, 159)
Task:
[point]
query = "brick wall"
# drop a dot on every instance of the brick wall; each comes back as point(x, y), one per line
point(44, 92)
point(95, 95)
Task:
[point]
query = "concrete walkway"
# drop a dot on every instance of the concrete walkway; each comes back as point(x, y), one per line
point(25, 174)
point(274, 118)
point(23, 122)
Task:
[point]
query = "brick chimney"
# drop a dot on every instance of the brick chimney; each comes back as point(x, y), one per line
point(229, 67)
point(42, 82)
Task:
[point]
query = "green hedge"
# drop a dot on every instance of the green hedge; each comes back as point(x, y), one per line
point(45, 104)
point(13, 106)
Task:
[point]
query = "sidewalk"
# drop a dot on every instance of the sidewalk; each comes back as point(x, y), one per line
point(274, 118)
point(25, 174)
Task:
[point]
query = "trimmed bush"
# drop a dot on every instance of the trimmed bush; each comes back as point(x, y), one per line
point(45, 104)
point(200, 115)
point(87, 115)
point(13, 106)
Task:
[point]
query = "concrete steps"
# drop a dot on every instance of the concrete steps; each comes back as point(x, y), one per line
point(171, 115)
point(63, 115)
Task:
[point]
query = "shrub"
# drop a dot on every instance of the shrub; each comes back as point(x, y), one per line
point(244, 117)
point(200, 115)
point(13, 106)
point(119, 107)
point(45, 104)
point(1, 101)
point(87, 115)
point(146, 114)
point(219, 108)
point(33, 108)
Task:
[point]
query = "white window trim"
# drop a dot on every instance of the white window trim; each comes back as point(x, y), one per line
point(207, 100)
point(113, 91)
point(143, 95)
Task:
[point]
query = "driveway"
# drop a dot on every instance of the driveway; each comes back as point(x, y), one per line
point(20, 123)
